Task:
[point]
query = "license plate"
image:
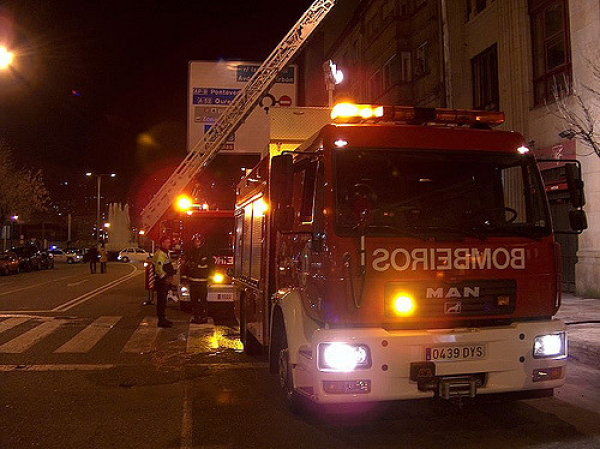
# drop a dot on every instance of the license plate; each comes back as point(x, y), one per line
point(218, 297)
point(451, 353)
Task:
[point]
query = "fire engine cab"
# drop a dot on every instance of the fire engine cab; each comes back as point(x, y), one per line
point(402, 253)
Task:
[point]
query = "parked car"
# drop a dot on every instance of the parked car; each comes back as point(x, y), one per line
point(29, 258)
point(68, 256)
point(132, 254)
point(46, 260)
point(9, 263)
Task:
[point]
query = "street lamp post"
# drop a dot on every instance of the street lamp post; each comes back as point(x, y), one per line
point(99, 179)
point(333, 76)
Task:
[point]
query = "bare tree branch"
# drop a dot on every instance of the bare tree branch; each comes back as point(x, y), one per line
point(576, 109)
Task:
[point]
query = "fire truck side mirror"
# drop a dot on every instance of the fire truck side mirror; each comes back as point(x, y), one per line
point(577, 220)
point(575, 184)
point(281, 183)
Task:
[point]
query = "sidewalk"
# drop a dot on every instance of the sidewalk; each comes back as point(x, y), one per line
point(582, 317)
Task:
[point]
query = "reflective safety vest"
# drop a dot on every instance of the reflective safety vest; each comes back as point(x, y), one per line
point(163, 266)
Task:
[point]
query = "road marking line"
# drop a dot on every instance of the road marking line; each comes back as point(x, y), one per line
point(28, 339)
point(186, 421)
point(37, 285)
point(8, 368)
point(82, 367)
point(10, 323)
point(77, 283)
point(143, 339)
point(89, 295)
point(90, 336)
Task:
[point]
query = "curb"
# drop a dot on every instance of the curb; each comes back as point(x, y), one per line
point(584, 346)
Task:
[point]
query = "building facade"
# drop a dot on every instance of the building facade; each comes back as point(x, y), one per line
point(390, 52)
point(514, 56)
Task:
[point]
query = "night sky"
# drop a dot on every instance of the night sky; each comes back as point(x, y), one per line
point(91, 76)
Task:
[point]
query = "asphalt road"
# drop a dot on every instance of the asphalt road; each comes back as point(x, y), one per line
point(82, 365)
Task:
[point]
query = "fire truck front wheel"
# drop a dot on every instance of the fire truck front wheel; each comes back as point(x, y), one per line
point(284, 374)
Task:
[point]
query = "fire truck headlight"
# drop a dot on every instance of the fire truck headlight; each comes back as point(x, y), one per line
point(218, 278)
point(343, 357)
point(403, 305)
point(550, 346)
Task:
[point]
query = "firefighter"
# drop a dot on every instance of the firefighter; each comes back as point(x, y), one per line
point(165, 271)
point(196, 266)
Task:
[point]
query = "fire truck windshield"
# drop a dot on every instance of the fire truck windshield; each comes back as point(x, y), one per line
point(432, 193)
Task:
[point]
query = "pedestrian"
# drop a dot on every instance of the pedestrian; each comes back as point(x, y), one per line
point(103, 253)
point(93, 254)
point(164, 269)
point(197, 264)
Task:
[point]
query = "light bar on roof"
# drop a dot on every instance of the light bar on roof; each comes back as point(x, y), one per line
point(352, 113)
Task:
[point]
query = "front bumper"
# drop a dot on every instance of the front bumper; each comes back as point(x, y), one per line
point(508, 364)
point(216, 293)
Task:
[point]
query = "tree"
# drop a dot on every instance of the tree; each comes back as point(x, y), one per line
point(22, 191)
point(578, 105)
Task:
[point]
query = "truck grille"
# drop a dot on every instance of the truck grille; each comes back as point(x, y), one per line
point(455, 299)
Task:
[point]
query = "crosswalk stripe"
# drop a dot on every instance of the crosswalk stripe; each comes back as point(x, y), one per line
point(200, 338)
point(88, 337)
point(12, 322)
point(29, 338)
point(143, 339)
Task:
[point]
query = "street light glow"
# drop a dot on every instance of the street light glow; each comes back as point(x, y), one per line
point(6, 58)
point(88, 173)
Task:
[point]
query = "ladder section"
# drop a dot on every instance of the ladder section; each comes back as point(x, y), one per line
point(235, 113)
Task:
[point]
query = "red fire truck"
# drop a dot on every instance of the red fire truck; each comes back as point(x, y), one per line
point(408, 255)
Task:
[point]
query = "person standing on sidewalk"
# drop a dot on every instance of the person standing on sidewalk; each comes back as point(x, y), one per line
point(93, 254)
point(164, 270)
point(196, 267)
point(103, 253)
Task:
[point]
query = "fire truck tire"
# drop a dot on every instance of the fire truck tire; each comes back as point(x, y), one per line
point(284, 374)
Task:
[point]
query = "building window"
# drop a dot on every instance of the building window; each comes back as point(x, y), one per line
point(551, 49)
point(403, 7)
point(406, 72)
point(373, 24)
point(485, 79)
point(421, 67)
point(375, 85)
point(475, 7)
point(389, 10)
point(480, 6)
point(390, 73)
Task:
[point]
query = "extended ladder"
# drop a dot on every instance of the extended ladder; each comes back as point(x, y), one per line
point(235, 113)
